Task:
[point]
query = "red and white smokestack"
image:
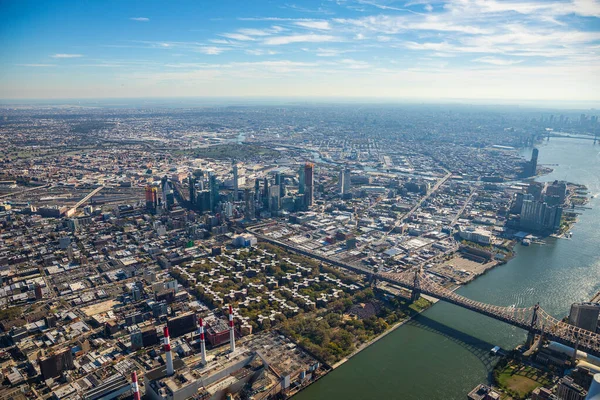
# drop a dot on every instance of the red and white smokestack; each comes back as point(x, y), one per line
point(202, 343)
point(168, 355)
point(231, 332)
point(134, 386)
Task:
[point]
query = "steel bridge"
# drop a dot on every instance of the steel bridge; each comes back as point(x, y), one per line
point(533, 319)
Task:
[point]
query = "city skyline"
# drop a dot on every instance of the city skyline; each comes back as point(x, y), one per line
point(432, 50)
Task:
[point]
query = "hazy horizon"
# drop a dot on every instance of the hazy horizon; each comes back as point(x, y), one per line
point(197, 101)
point(526, 51)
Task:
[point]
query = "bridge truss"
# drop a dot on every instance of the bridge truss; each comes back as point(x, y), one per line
point(533, 319)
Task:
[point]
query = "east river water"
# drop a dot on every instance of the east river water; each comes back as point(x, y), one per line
point(444, 352)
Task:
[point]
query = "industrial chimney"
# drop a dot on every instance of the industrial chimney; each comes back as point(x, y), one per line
point(168, 355)
point(231, 332)
point(134, 386)
point(202, 343)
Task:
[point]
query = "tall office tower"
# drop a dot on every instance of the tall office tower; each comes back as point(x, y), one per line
point(309, 169)
point(168, 197)
point(149, 198)
point(164, 187)
point(301, 182)
point(279, 181)
point(532, 166)
point(256, 189)
point(235, 182)
point(204, 200)
point(344, 181)
point(214, 192)
point(249, 211)
point(265, 198)
point(274, 198)
point(199, 177)
point(585, 315)
point(192, 182)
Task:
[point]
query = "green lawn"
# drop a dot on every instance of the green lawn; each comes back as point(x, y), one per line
point(519, 381)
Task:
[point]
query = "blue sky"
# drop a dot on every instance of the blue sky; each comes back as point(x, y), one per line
point(413, 49)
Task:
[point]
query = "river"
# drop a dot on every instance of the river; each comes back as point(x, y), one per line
point(444, 352)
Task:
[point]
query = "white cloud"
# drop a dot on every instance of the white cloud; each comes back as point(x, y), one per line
point(497, 61)
point(237, 36)
point(589, 8)
point(312, 38)
point(321, 25)
point(140, 19)
point(211, 50)
point(260, 32)
point(394, 24)
point(260, 52)
point(63, 55)
point(220, 41)
point(36, 65)
point(329, 52)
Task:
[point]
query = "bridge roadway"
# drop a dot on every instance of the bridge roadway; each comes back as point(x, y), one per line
point(533, 319)
point(73, 210)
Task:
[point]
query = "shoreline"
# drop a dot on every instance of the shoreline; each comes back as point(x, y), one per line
point(384, 334)
point(371, 342)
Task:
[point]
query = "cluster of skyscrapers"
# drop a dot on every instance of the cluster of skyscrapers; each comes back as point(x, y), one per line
point(540, 209)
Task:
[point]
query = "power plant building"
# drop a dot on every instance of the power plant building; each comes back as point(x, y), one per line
point(585, 315)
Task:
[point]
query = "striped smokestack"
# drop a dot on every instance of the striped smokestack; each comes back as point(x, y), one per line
point(231, 332)
point(168, 354)
point(134, 386)
point(202, 343)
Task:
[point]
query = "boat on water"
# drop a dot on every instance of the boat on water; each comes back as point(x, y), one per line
point(526, 242)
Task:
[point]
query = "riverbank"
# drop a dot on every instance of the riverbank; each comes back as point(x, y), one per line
point(384, 334)
point(371, 342)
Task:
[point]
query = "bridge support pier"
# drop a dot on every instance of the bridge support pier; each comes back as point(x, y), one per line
point(530, 339)
point(532, 326)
